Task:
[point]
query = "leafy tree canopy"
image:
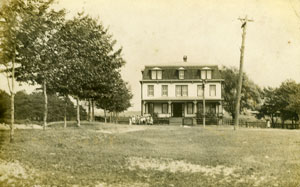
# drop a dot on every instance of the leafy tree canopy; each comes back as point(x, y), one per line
point(88, 64)
point(287, 95)
point(250, 93)
point(118, 100)
point(4, 104)
point(36, 53)
point(281, 102)
point(30, 106)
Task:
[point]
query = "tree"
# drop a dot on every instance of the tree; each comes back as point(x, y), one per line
point(294, 102)
point(24, 107)
point(88, 63)
point(286, 96)
point(282, 101)
point(20, 28)
point(11, 16)
point(270, 107)
point(118, 101)
point(250, 93)
point(121, 97)
point(4, 105)
point(36, 53)
point(30, 107)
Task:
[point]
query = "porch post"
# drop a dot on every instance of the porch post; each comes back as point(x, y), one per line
point(195, 107)
point(195, 112)
point(221, 112)
point(169, 108)
point(144, 107)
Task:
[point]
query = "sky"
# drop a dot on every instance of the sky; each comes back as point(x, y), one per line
point(208, 32)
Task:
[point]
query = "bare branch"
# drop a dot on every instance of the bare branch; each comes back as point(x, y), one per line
point(294, 9)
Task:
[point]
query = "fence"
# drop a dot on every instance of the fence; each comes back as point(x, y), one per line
point(208, 120)
point(261, 124)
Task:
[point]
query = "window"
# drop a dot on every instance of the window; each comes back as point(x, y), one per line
point(153, 74)
point(200, 90)
point(150, 90)
point(159, 74)
point(181, 90)
point(178, 90)
point(212, 90)
point(184, 90)
point(156, 74)
point(164, 108)
point(206, 74)
point(181, 74)
point(164, 90)
point(203, 74)
point(190, 108)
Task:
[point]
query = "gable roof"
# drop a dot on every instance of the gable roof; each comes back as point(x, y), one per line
point(192, 71)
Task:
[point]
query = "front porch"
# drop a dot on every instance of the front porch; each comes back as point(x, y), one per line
point(184, 112)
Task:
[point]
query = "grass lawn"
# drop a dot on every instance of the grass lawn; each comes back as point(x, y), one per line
point(121, 155)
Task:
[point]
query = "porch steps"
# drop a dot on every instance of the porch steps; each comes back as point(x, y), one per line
point(175, 121)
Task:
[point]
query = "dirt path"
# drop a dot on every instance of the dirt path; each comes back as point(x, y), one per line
point(124, 129)
point(21, 126)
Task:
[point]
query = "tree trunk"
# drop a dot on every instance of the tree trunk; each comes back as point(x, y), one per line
point(110, 117)
point(12, 102)
point(297, 127)
point(78, 112)
point(12, 113)
point(272, 121)
point(282, 123)
point(233, 117)
point(117, 117)
point(65, 115)
point(93, 110)
point(89, 111)
point(293, 123)
point(45, 104)
point(105, 116)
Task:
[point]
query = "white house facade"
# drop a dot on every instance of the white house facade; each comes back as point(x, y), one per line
point(176, 92)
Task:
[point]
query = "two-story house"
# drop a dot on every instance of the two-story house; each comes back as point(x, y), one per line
point(176, 91)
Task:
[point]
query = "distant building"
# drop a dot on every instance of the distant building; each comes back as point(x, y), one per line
point(175, 92)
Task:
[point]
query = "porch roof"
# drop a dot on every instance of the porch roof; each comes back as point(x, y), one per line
point(181, 99)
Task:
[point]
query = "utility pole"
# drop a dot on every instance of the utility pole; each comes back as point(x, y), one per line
point(239, 88)
point(204, 112)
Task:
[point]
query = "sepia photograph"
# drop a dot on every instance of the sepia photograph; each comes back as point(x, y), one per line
point(149, 93)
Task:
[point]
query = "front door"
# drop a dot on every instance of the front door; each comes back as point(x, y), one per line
point(177, 109)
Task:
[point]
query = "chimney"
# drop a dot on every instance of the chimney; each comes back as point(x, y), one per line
point(184, 58)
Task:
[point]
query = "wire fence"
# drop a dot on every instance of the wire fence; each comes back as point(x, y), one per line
point(261, 124)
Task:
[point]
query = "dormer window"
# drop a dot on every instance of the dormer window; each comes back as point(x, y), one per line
point(206, 73)
point(156, 73)
point(181, 73)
